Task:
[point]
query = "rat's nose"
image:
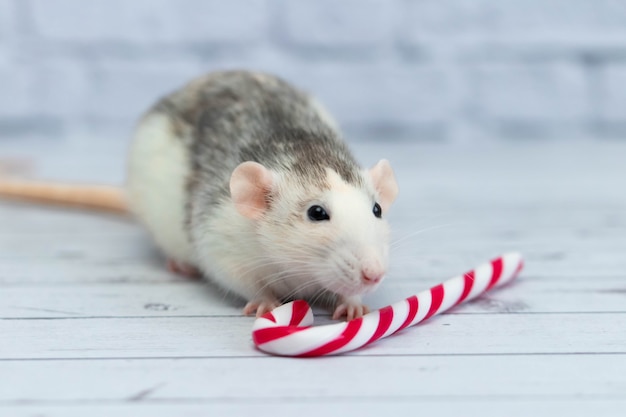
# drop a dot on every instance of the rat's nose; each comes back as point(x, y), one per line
point(371, 276)
point(372, 268)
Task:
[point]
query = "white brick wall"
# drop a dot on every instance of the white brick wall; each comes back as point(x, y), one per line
point(150, 22)
point(529, 92)
point(454, 70)
point(336, 25)
point(613, 108)
point(7, 24)
point(509, 19)
point(125, 90)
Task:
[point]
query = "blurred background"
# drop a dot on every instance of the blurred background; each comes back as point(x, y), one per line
point(457, 71)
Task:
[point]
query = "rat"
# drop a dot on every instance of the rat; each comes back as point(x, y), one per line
point(245, 179)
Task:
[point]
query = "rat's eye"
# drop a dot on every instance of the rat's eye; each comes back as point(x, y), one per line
point(317, 214)
point(378, 212)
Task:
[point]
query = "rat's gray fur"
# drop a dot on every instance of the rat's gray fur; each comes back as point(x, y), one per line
point(238, 116)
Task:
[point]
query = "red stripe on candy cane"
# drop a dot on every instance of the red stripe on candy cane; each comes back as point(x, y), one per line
point(269, 316)
point(343, 339)
point(468, 283)
point(384, 321)
point(270, 334)
point(299, 311)
point(284, 331)
point(413, 307)
point(496, 264)
point(437, 294)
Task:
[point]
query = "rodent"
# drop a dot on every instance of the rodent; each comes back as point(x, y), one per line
point(246, 178)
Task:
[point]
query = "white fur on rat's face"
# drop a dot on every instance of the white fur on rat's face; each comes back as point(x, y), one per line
point(346, 254)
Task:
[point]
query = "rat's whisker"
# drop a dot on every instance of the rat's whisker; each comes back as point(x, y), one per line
point(396, 242)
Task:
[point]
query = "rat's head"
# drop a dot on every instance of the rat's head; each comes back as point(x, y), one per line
point(322, 226)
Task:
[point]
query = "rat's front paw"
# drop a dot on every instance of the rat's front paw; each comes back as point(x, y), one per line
point(261, 306)
point(350, 307)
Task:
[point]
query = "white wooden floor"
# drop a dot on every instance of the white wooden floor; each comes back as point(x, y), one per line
point(91, 323)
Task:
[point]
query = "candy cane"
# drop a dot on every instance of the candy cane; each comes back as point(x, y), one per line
point(287, 330)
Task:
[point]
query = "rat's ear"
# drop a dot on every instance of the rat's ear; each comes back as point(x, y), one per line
point(384, 182)
point(250, 183)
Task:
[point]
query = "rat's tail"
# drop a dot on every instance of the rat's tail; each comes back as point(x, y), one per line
point(94, 197)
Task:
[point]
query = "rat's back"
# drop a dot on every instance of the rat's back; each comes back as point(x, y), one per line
point(191, 140)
